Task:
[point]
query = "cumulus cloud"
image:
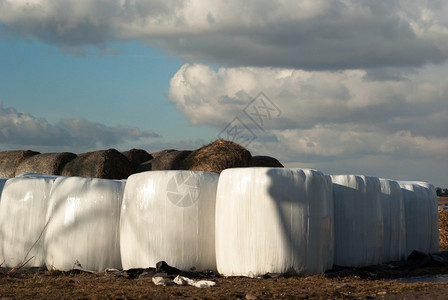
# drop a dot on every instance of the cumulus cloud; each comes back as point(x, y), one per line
point(324, 115)
point(21, 130)
point(322, 34)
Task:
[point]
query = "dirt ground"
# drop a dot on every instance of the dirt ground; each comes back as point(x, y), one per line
point(355, 284)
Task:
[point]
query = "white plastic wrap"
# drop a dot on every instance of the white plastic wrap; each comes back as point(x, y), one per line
point(274, 220)
point(170, 216)
point(83, 224)
point(394, 221)
point(358, 220)
point(421, 213)
point(22, 220)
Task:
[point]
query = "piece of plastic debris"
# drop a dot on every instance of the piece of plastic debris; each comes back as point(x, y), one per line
point(161, 281)
point(111, 270)
point(181, 280)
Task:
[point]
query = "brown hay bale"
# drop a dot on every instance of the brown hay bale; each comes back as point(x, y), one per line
point(46, 163)
point(217, 156)
point(169, 160)
point(9, 160)
point(108, 164)
point(137, 156)
point(144, 167)
point(265, 161)
point(163, 152)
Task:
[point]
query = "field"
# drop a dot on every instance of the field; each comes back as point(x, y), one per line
point(367, 283)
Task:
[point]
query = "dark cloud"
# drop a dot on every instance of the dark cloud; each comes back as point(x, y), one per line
point(21, 130)
point(313, 35)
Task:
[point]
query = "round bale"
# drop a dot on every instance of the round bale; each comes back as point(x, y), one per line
point(217, 156)
point(9, 160)
point(45, 163)
point(108, 164)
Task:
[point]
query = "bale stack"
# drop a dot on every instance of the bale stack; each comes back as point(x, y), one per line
point(216, 157)
point(45, 163)
point(108, 164)
point(9, 160)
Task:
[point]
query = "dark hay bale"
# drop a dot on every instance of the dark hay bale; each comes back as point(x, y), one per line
point(137, 156)
point(170, 160)
point(144, 167)
point(9, 160)
point(265, 161)
point(217, 156)
point(163, 152)
point(46, 163)
point(108, 164)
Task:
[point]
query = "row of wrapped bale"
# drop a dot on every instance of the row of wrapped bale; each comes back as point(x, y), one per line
point(79, 218)
point(382, 220)
point(62, 222)
point(265, 220)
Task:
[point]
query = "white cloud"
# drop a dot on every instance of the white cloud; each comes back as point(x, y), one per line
point(322, 34)
point(417, 103)
point(22, 130)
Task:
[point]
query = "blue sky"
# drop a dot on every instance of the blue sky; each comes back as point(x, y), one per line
point(126, 87)
point(361, 87)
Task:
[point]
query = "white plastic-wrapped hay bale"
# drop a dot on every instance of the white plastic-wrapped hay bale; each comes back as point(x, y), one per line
point(394, 221)
point(170, 216)
point(273, 220)
point(22, 220)
point(83, 224)
point(420, 202)
point(358, 221)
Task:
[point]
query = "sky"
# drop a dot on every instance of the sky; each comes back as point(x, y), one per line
point(342, 86)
